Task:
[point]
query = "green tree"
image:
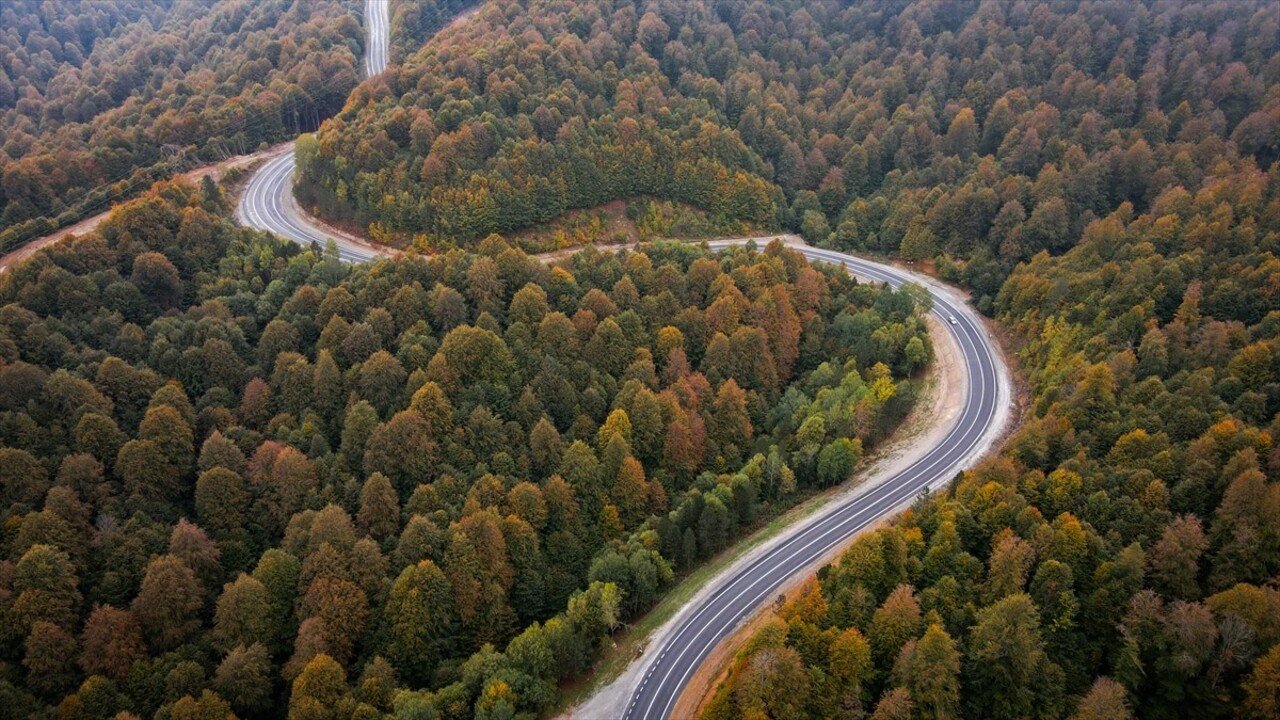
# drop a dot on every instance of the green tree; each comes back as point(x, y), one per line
point(22, 478)
point(402, 450)
point(49, 658)
point(244, 616)
point(379, 514)
point(919, 242)
point(381, 381)
point(318, 689)
point(167, 427)
point(208, 707)
point(45, 589)
point(157, 279)
point(1007, 673)
point(222, 501)
point(244, 679)
point(147, 473)
point(430, 402)
point(894, 623)
point(278, 572)
point(930, 670)
point(420, 618)
point(97, 435)
point(477, 356)
point(837, 460)
point(357, 427)
point(420, 540)
point(218, 451)
point(580, 468)
point(545, 446)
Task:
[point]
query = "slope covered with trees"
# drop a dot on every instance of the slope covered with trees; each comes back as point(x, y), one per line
point(1120, 558)
point(238, 473)
point(981, 132)
point(99, 99)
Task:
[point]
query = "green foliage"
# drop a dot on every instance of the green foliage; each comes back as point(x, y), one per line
point(98, 101)
point(524, 448)
point(913, 146)
point(459, 160)
point(1116, 559)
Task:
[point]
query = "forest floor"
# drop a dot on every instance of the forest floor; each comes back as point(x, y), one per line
point(89, 224)
point(940, 403)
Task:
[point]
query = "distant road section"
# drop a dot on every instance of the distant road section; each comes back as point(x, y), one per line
point(268, 203)
point(379, 29)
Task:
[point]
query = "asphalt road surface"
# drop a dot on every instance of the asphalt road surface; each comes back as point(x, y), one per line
point(268, 204)
point(375, 19)
point(672, 664)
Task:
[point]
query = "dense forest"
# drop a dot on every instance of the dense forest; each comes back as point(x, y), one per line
point(413, 22)
point(99, 99)
point(238, 473)
point(239, 476)
point(981, 132)
point(1119, 558)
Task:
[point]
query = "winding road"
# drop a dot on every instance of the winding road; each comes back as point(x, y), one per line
point(268, 202)
point(665, 669)
point(669, 664)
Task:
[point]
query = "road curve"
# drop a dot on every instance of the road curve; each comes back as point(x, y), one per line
point(268, 203)
point(672, 662)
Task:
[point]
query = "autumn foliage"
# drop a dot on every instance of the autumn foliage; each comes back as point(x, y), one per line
point(238, 466)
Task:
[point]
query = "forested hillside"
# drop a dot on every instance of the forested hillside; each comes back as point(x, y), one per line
point(99, 99)
point(1120, 558)
point(413, 22)
point(236, 473)
point(978, 132)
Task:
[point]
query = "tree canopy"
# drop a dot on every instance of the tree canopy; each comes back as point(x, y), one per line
point(237, 464)
point(98, 100)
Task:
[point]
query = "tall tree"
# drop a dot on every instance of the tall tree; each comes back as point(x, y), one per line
point(421, 620)
point(1007, 672)
point(168, 602)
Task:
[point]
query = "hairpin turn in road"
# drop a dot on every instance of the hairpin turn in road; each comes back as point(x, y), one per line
point(667, 667)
